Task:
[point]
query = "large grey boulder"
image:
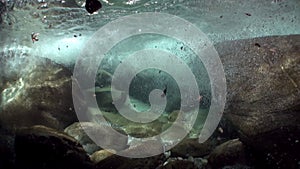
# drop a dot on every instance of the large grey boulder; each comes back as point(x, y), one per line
point(263, 102)
point(34, 91)
point(263, 82)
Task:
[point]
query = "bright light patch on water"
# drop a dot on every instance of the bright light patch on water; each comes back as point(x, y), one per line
point(10, 93)
point(63, 50)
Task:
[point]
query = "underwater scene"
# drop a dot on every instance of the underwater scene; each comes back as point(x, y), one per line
point(149, 84)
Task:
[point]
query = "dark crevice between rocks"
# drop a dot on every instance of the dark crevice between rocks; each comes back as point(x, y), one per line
point(275, 149)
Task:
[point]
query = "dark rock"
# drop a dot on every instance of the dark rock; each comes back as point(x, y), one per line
point(7, 150)
point(229, 153)
point(119, 162)
point(263, 83)
point(179, 164)
point(92, 5)
point(192, 147)
point(41, 147)
point(263, 101)
point(276, 149)
point(34, 91)
point(238, 166)
point(76, 131)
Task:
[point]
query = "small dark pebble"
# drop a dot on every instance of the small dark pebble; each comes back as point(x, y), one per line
point(159, 71)
point(181, 48)
point(221, 16)
point(248, 14)
point(67, 46)
point(80, 34)
point(134, 105)
point(257, 44)
point(92, 6)
point(58, 48)
point(75, 36)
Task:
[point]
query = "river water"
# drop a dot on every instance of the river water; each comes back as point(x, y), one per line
point(220, 20)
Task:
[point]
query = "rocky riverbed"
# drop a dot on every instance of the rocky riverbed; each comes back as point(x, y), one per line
point(259, 47)
point(260, 126)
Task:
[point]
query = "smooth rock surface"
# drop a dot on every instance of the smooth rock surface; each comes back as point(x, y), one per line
point(229, 153)
point(263, 102)
point(76, 131)
point(41, 147)
point(34, 91)
point(192, 147)
point(263, 83)
point(100, 155)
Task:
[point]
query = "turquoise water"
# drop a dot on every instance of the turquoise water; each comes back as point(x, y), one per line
point(219, 20)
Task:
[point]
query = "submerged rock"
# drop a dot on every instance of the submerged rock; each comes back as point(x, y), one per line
point(34, 91)
point(192, 147)
point(119, 162)
point(76, 131)
point(263, 83)
point(7, 150)
point(41, 147)
point(276, 149)
point(263, 101)
point(99, 131)
point(100, 155)
point(229, 153)
point(179, 164)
